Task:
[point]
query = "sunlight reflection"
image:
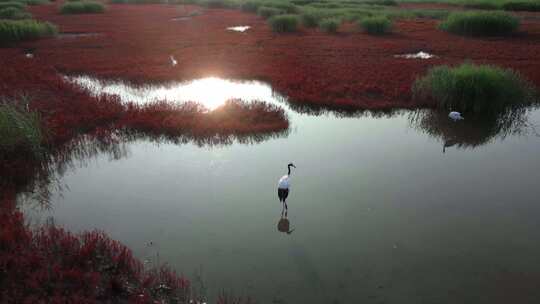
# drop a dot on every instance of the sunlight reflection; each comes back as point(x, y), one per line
point(239, 28)
point(211, 92)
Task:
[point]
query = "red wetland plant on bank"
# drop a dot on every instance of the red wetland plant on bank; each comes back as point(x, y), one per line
point(235, 117)
point(56, 266)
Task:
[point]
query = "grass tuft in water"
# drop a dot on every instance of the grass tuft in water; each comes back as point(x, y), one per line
point(284, 23)
point(480, 23)
point(82, 7)
point(19, 30)
point(20, 128)
point(474, 88)
point(377, 25)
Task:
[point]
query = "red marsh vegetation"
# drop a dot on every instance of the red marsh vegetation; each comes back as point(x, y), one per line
point(347, 70)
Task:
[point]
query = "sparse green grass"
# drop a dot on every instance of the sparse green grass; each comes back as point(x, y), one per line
point(20, 129)
point(218, 3)
point(27, 2)
point(138, 1)
point(12, 4)
point(484, 5)
point(474, 88)
point(82, 7)
point(284, 23)
point(14, 14)
point(19, 30)
point(382, 2)
point(329, 25)
point(36, 2)
point(282, 5)
point(267, 12)
point(377, 25)
point(480, 23)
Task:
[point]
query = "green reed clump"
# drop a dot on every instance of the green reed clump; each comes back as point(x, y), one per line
point(20, 129)
point(381, 2)
point(12, 4)
point(330, 25)
point(480, 23)
point(376, 25)
point(251, 6)
point(485, 5)
point(474, 88)
point(284, 23)
point(82, 7)
point(20, 30)
point(267, 12)
point(528, 6)
point(14, 14)
point(311, 18)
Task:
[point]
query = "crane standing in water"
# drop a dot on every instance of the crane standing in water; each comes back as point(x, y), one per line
point(283, 186)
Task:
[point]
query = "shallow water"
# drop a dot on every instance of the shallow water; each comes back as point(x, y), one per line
point(76, 35)
point(381, 214)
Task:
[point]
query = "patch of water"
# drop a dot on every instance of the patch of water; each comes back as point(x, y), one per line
point(181, 18)
point(211, 92)
point(419, 55)
point(240, 28)
point(430, 197)
point(76, 35)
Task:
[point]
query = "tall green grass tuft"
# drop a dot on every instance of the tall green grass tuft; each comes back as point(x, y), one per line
point(330, 25)
point(20, 129)
point(251, 6)
point(14, 14)
point(19, 30)
point(82, 7)
point(284, 23)
point(528, 6)
point(377, 25)
point(474, 88)
point(267, 12)
point(311, 18)
point(480, 23)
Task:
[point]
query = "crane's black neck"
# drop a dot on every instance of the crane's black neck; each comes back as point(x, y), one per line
point(289, 170)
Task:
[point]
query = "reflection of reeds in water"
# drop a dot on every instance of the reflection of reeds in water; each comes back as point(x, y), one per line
point(475, 130)
point(46, 177)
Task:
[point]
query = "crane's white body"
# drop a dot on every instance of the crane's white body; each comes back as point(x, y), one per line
point(284, 182)
point(455, 116)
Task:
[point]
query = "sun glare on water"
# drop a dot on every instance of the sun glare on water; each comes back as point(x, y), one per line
point(211, 92)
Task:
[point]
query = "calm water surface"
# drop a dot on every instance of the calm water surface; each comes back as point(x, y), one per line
point(381, 214)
